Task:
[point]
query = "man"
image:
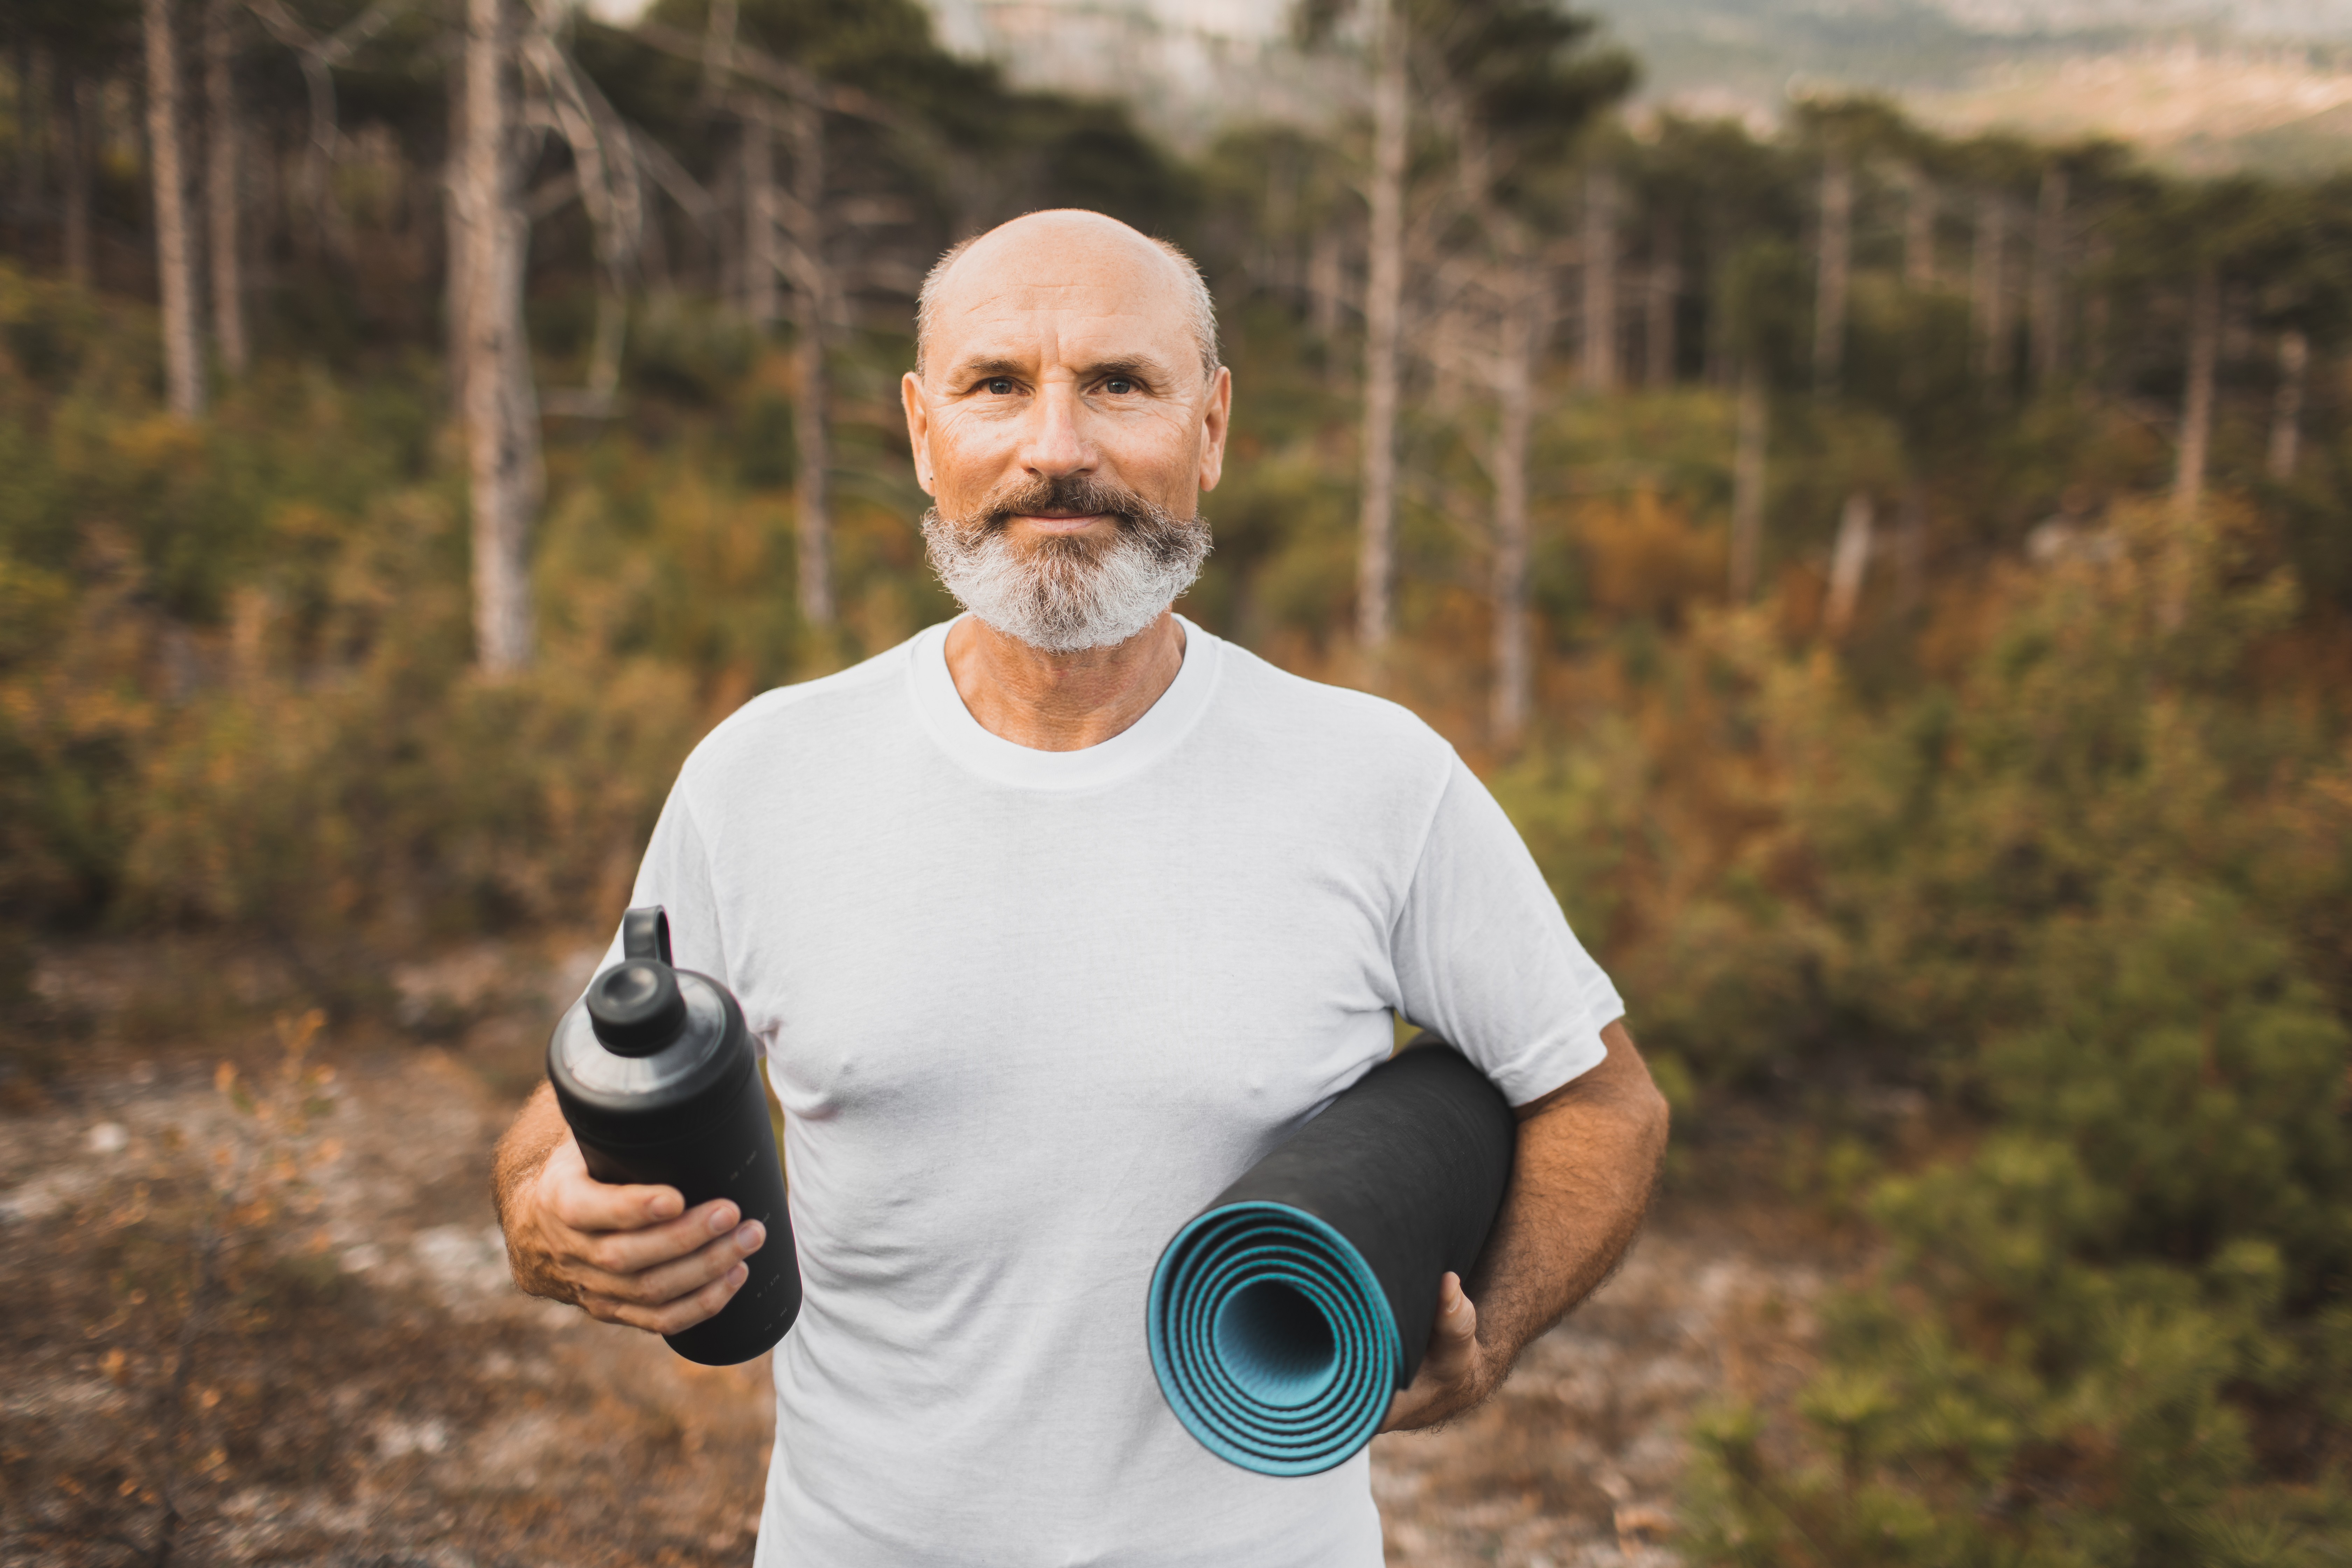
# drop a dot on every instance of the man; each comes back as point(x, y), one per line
point(1052, 922)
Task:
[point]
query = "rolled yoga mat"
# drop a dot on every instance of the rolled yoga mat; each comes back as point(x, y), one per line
point(1285, 1315)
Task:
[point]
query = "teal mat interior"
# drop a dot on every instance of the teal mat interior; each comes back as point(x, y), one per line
point(1271, 1340)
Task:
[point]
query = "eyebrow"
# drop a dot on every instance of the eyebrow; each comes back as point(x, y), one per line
point(1141, 367)
point(978, 369)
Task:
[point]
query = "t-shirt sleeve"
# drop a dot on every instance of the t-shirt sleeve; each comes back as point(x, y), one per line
point(675, 874)
point(1483, 955)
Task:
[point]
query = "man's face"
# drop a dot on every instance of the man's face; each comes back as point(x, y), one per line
point(1063, 417)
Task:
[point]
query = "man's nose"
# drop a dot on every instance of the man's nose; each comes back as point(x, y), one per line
point(1055, 443)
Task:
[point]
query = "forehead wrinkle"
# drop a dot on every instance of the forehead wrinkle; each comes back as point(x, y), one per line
point(1130, 286)
point(1084, 363)
point(1096, 347)
point(1029, 298)
point(1018, 310)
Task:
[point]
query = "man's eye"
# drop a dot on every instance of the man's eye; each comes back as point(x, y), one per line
point(1118, 386)
point(1001, 385)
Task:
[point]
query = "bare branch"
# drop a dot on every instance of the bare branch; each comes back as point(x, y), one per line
point(667, 172)
point(361, 30)
point(778, 76)
point(335, 48)
point(318, 57)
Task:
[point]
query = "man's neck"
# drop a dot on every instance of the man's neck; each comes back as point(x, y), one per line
point(1061, 702)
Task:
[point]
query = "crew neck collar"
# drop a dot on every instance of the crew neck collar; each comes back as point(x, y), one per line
point(1151, 737)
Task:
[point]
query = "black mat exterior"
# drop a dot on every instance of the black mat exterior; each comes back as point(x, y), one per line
point(1409, 1165)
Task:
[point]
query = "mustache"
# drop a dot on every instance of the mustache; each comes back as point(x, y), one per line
point(1072, 494)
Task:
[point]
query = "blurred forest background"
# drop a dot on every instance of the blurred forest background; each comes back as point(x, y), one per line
point(1900, 584)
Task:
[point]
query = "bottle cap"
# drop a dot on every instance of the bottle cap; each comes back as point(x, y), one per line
point(636, 1007)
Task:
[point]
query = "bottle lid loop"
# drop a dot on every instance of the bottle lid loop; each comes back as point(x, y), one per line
point(644, 933)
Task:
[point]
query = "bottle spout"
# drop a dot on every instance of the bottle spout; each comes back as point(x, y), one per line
point(645, 933)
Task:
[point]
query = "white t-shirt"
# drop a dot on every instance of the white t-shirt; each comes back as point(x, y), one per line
point(1027, 1012)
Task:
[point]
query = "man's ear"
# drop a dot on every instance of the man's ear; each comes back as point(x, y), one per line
point(918, 428)
point(1215, 420)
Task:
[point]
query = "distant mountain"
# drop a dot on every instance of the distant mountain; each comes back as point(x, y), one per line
point(2262, 83)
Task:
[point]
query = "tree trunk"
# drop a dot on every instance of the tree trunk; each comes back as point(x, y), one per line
point(2286, 412)
point(1665, 282)
point(1911, 547)
point(1719, 364)
point(76, 132)
point(1988, 300)
point(1834, 269)
point(1526, 323)
point(270, 212)
point(2196, 395)
point(175, 259)
point(1849, 563)
point(223, 184)
point(458, 289)
point(1275, 266)
point(655, 262)
point(35, 91)
point(760, 260)
point(813, 520)
point(1747, 483)
point(1383, 324)
point(812, 523)
point(2099, 254)
point(2046, 307)
point(328, 231)
point(1919, 232)
point(1326, 288)
point(726, 247)
point(1596, 368)
point(501, 416)
point(719, 24)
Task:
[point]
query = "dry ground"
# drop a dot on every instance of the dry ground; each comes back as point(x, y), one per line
point(270, 1323)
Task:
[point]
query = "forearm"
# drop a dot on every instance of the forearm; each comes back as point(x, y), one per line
point(1581, 1182)
point(523, 1152)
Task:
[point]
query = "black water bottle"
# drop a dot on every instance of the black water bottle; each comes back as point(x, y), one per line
point(656, 1074)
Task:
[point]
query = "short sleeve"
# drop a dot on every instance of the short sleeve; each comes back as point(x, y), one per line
point(675, 874)
point(1484, 957)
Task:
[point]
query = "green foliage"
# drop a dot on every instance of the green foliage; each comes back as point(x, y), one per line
point(1525, 74)
point(236, 682)
point(2110, 1333)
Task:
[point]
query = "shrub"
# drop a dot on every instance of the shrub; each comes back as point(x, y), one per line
point(2112, 1330)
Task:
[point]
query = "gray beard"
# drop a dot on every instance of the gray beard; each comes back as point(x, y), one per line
point(1064, 595)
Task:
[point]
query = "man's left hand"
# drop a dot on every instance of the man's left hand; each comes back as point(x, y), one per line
point(1456, 1373)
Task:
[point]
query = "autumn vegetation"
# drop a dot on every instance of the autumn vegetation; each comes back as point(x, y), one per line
point(1900, 586)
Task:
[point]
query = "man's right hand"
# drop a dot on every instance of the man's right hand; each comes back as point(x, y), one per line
point(625, 1254)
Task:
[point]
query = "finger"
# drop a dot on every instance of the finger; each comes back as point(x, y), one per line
point(634, 1251)
point(673, 1281)
point(1457, 1316)
point(578, 1200)
point(684, 1312)
point(567, 1170)
point(1452, 1357)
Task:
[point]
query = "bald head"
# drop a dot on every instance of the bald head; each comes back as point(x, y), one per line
point(1066, 255)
